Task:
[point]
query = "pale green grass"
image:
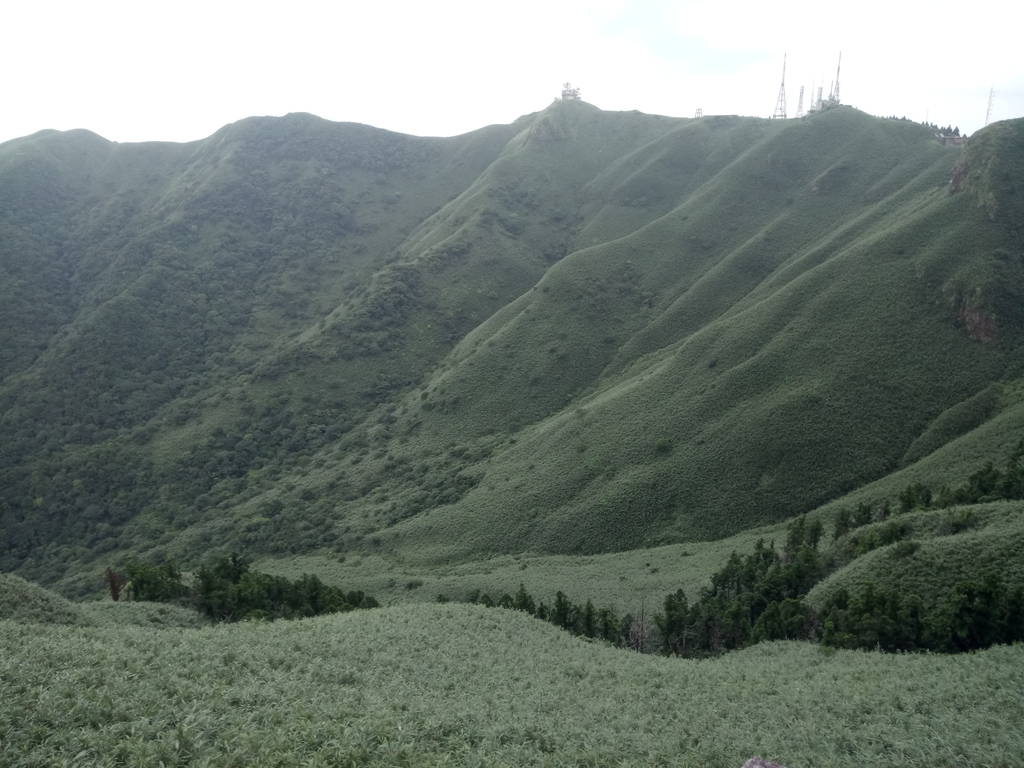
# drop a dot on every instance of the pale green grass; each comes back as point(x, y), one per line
point(464, 685)
point(106, 613)
point(993, 539)
point(624, 581)
point(24, 601)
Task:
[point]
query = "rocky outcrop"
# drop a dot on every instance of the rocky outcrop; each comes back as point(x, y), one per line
point(959, 179)
point(760, 762)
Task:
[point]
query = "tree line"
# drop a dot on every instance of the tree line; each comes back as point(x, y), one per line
point(584, 620)
point(760, 597)
point(753, 598)
point(987, 484)
point(231, 591)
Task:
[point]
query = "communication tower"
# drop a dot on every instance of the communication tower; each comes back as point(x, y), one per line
point(991, 96)
point(780, 105)
point(835, 94)
point(569, 93)
point(800, 104)
point(699, 112)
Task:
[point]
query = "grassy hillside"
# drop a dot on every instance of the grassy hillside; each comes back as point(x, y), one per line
point(802, 362)
point(174, 272)
point(22, 600)
point(586, 352)
point(663, 387)
point(580, 333)
point(26, 602)
point(463, 685)
point(951, 546)
point(624, 581)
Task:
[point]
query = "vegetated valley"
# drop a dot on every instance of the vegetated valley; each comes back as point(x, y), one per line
point(744, 395)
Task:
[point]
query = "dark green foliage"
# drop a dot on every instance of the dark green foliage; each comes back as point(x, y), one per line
point(585, 620)
point(843, 523)
point(906, 548)
point(230, 591)
point(874, 618)
point(760, 597)
point(563, 613)
point(676, 631)
point(974, 615)
point(863, 515)
point(789, 620)
point(915, 496)
point(977, 615)
point(753, 598)
point(524, 602)
point(801, 534)
point(986, 484)
point(861, 543)
point(155, 583)
point(588, 620)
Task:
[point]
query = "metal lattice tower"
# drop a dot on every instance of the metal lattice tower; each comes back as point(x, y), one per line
point(800, 104)
point(991, 96)
point(834, 97)
point(699, 112)
point(780, 105)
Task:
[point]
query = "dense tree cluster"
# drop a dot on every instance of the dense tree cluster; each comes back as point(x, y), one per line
point(230, 591)
point(987, 484)
point(760, 597)
point(582, 620)
point(974, 615)
point(752, 598)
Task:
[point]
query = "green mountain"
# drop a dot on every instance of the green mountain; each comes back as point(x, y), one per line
point(581, 333)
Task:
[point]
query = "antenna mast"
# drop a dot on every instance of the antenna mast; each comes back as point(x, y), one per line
point(780, 105)
point(800, 104)
point(835, 96)
point(991, 96)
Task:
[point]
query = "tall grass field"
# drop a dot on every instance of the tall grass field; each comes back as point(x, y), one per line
point(464, 685)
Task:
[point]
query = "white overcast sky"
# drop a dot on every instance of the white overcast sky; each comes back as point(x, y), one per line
point(140, 71)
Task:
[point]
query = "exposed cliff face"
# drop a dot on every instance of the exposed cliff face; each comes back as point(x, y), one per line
point(990, 168)
point(961, 172)
point(972, 315)
point(987, 291)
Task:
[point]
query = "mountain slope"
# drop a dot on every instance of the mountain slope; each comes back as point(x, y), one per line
point(581, 332)
point(699, 395)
